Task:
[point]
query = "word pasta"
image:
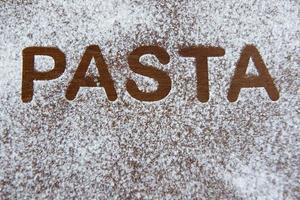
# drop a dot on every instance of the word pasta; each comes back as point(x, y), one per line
point(200, 54)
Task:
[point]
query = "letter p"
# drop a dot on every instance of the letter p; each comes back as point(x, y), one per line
point(29, 74)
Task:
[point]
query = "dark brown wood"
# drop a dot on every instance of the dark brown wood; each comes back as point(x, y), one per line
point(29, 74)
point(201, 54)
point(163, 79)
point(241, 80)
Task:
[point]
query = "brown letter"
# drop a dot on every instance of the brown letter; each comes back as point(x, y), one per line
point(201, 54)
point(161, 77)
point(240, 80)
point(80, 80)
point(29, 74)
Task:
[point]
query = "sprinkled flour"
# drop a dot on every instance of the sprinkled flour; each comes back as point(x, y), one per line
point(176, 148)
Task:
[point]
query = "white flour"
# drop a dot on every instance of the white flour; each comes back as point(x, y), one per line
point(176, 148)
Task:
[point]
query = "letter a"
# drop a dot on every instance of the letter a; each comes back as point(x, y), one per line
point(241, 80)
point(80, 80)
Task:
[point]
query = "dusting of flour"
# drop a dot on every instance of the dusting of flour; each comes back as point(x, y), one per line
point(176, 148)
